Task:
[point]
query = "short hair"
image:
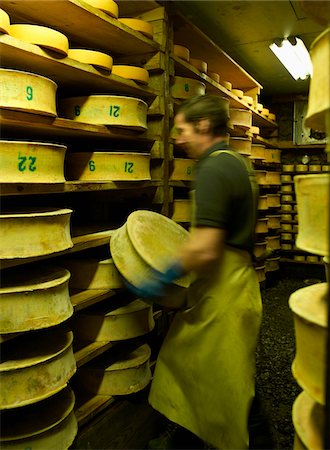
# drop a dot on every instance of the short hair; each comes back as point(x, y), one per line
point(211, 107)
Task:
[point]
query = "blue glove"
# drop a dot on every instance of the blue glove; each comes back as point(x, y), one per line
point(155, 285)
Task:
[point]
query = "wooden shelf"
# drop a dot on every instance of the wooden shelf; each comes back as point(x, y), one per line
point(263, 141)
point(88, 405)
point(81, 242)
point(289, 260)
point(83, 24)
point(86, 351)
point(183, 68)
point(287, 145)
point(13, 122)
point(12, 189)
point(88, 297)
point(80, 78)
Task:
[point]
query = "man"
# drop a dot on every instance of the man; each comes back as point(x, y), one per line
point(204, 376)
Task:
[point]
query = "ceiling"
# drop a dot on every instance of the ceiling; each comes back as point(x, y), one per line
point(245, 29)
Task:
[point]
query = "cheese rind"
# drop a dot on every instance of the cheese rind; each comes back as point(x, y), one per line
point(142, 26)
point(108, 6)
point(138, 74)
point(187, 87)
point(95, 58)
point(199, 64)
point(181, 52)
point(4, 22)
point(40, 35)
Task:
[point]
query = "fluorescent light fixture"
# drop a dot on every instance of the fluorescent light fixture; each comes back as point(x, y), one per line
point(294, 57)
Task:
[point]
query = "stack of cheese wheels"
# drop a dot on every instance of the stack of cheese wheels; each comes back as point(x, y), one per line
point(199, 64)
point(181, 52)
point(117, 373)
point(37, 369)
point(107, 6)
point(308, 420)
point(149, 240)
point(183, 169)
point(319, 93)
point(109, 166)
point(51, 424)
point(27, 92)
point(34, 233)
point(142, 26)
point(241, 145)
point(313, 198)
point(187, 87)
point(93, 273)
point(4, 22)
point(182, 210)
point(31, 162)
point(42, 36)
point(34, 299)
point(110, 322)
point(309, 306)
point(241, 117)
point(95, 58)
point(112, 110)
point(138, 74)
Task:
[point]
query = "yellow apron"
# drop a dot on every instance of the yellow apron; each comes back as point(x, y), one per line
point(204, 376)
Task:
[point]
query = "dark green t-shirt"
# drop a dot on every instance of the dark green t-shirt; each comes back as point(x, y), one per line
point(224, 198)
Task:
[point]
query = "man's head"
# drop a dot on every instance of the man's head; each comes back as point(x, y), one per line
point(201, 122)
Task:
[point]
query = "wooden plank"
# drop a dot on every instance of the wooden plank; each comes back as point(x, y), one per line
point(133, 8)
point(86, 351)
point(80, 78)
point(88, 297)
point(88, 406)
point(76, 19)
point(19, 121)
point(153, 62)
point(14, 189)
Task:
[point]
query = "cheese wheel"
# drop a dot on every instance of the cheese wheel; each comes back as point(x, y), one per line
point(238, 92)
point(309, 306)
point(287, 187)
point(34, 233)
point(315, 168)
point(259, 107)
point(109, 166)
point(309, 424)
point(262, 204)
point(227, 85)
point(42, 36)
point(139, 25)
point(98, 59)
point(4, 22)
point(36, 370)
point(199, 64)
point(34, 299)
point(301, 168)
point(265, 112)
point(312, 194)
point(288, 167)
point(286, 246)
point(108, 6)
point(183, 169)
point(273, 155)
point(273, 178)
point(182, 210)
point(27, 92)
point(286, 208)
point(255, 130)
point(258, 151)
point(273, 242)
point(241, 117)
point(259, 248)
point(31, 162)
point(261, 273)
point(242, 145)
point(272, 264)
point(49, 424)
point(138, 74)
point(287, 227)
point(92, 273)
point(110, 322)
point(112, 110)
point(286, 179)
point(247, 99)
point(272, 116)
point(118, 374)
point(262, 226)
point(187, 87)
point(274, 221)
point(214, 76)
point(181, 52)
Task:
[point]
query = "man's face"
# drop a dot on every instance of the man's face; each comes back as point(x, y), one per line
point(187, 136)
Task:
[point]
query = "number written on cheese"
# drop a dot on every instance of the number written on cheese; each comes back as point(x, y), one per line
point(27, 163)
point(91, 165)
point(129, 167)
point(114, 110)
point(189, 170)
point(29, 93)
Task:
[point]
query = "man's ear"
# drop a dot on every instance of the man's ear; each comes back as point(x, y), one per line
point(203, 126)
